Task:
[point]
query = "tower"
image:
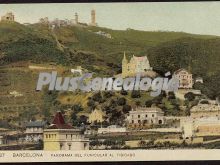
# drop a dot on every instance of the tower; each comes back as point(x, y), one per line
point(76, 18)
point(124, 66)
point(93, 21)
point(8, 17)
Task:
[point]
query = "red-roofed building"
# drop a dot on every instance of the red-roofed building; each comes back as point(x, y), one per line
point(59, 122)
point(62, 136)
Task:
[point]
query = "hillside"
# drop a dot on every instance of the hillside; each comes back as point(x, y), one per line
point(70, 46)
point(75, 45)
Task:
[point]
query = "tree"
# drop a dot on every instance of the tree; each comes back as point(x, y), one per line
point(126, 109)
point(83, 119)
point(171, 95)
point(148, 103)
point(123, 92)
point(108, 94)
point(94, 143)
point(135, 94)
point(97, 97)
point(91, 103)
point(157, 100)
point(121, 101)
point(189, 96)
point(77, 108)
point(204, 102)
point(137, 103)
point(109, 142)
point(74, 119)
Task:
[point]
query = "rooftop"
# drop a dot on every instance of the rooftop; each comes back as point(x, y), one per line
point(36, 124)
point(59, 122)
point(156, 109)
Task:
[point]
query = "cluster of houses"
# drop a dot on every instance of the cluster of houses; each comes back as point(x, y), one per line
point(204, 119)
point(56, 22)
point(69, 22)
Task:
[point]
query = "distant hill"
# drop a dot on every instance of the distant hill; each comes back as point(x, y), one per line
point(82, 46)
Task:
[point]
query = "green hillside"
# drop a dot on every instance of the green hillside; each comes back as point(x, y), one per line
point(67, 47)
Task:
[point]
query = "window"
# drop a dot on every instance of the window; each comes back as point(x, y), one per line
point(66, 136)
point(85, 145)
point(145, 115)
point(69, 145)
point(61, 146)
point(152, 115)
point(132, 121)
point(139, 121)
point(139, 116)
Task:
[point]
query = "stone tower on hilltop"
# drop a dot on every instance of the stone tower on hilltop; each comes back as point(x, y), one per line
point(93, 18)
point(8, 17)
point(76, 18)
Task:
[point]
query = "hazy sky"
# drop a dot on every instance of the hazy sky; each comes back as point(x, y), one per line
point(191, 17)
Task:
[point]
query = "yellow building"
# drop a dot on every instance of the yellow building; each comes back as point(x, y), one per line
point(62, 136)
point(136, 65)
point(97, 115)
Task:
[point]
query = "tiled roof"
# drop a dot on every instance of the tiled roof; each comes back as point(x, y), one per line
point(59, 122)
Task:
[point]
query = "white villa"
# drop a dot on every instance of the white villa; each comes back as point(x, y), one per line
point(185, 78)
point(146, 115)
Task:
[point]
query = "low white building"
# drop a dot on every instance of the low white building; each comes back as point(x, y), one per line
point(146, 115)
point(199, 79)
point(104, 34)
point(209, 109)
point(77, 70)
point(111, 129)
point(15, 94)
point(34, 131)
point(205, 126)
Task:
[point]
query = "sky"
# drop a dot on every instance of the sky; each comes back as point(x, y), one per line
point(190, 17)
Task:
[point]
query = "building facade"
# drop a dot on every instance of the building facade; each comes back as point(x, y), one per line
point(198, 127)
point(146, 116)
point(135, 65)
point(97, 115)
point(8, 17)
point(205, 110)
point(34, 131)
point(185, 78)
point(62, 136)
